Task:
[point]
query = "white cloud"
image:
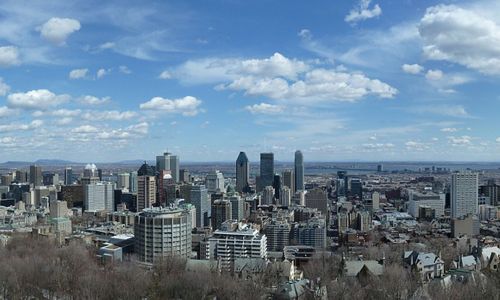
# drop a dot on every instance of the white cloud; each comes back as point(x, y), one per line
point(4, 88)
point(187, 106)
point(107, 45)
point(461, 36)
point(57, 30)
point(57, 113)
point(85, 129)
point(102, 72)
point(6, 112)
point(124, 70)
point(9, 56)
point(165, 75)
point(460, 140)
point(434, 75)
point(416, 146)
point(21, 127)
point(363, 12)
point(412, 69)
point(264, 108)
point(443, 109)
point(36, 99)
point(78, 73)
point(110, 115)
point(449, 129)
point(92, 100)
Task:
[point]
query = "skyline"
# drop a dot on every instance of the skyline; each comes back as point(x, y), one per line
point(358, 81)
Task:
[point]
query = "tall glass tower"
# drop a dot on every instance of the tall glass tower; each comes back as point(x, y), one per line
point(299, 171)
point(266, 170)
point(242, 173)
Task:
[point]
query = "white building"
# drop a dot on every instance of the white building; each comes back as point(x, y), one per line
point(123, 181)
point(99, 196)
point(433, 200)
point(487, 212)
point(226, 245)
point(267, 196)
point(214, 182)
point(464, 194)
point(285, 196)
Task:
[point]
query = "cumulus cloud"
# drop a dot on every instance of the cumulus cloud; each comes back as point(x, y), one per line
point(92, 100)
point(4, 88)
point(6, 112)
point(85, 129)
point(264, 108)
point(412, 69)
point(57, 30)
point(9, 56)
point(449, 129)
point(416, 146)
point(363, 12)
point(124, 70)
point(78, 73)
point(109, 115)
point(461, 36)
point(434, 75)
point(36, 99)
point(187, 106)
point(463, 140)
point(165, 75)
point(102, 72)
point(20, 127)
point(450, 110)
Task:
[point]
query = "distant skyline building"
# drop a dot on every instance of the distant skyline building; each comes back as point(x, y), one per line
point(132, 183)
point(242, 173)
point(36, 178)
point(146, 187)
point(199, 198)
point(214, 182)
point(464, 194)
point(289, 180)
point(299, 170)
point(168, 162)
point(266, 170)
point(68, 176)
point(123, 181)
point(221, 212)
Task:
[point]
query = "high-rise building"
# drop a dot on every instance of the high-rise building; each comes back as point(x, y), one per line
point(146, 187)
point(310, 233)
point(199, 198)
point(132, 184)
point(68, 176)
point(380, 168)
point(174, 167)
point(242, 173)
point(285, 196)
point(36, 178)
point(237, 207)
point(90, 174)
point(266, 170)
point(491, 190)
point(464, 194)
point(299, 170)
point(342, 184)
point(162, 232)
point(317, 198)
point(123, 181)
point(277, 186)
point(267, 196)
point(278, 234)
point(168, 162)
point(184, 176)
point(430, 199)
point(214, 182)
point(289, 180)
point(99, 196)
point(221, 212)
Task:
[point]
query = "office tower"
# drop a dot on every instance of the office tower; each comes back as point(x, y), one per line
point(68, 176)
point(464, 194)
point(266, 170)
point(242, 173)
point(356, 188)
point(168, 162)
point(299, 170)
point(277, 186)
point(310, 233)
point(50, 179)
point(285, 196)
point(373, 203)
point(214, 181)
point(289, 180)
point(199, 198)
point(99, 196)
point(58, 209)
point(168, 189)
point(221, 212)
point(184, 176)
point(317, 198)
point(99, 174)
point(278, 234)
point(162, 232)
point(146, 187)
point(6, 179)
point(429, 199)
point(267, 196)
point(123, 181)
point(380, 168)
point(227, 244)
point(21, 176)
point(237, 207)
point(90, 174)
point(342, 184)
point(185, 193)
point(35, 175)
point(132, 184)
point(363, 221)
point(491, 190)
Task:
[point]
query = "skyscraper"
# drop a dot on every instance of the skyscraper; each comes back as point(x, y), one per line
point(266, 170)
point(36, 175)
point(242, 173)
point(214, 181)
point(132, 184)
point(299, 171)
point(68, 176)
point(168, 162)
point(277, 185)
point(464, 194)
point(199, 198)
point(174, 167)
point(221, 212)
point(289, 180)
point(99, 196)
point(146, 187)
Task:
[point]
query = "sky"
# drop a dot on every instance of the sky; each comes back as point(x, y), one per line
point(379, 80)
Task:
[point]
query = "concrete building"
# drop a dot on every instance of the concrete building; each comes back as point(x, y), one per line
point(464, 194)
point(99, 196)
point(146, 187)
point(267, 196)
point(433, 200)
point(310, 233)
point(285, 196)
point(289, 180)
point(168, 162)
point(123, 181)
point(317, 198)
point(221, 212)
point(36, 175)
point(227, 244)
point(237, 207)
point(487, 212)
point(299, 170)
point(199, 198)
point(242, 173)
point(491, 190)
point(467, 225)
point(278, 234)
point(162, 232)
point(214, 182)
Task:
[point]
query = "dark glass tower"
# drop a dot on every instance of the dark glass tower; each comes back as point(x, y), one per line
point(266, 170)
point(242, 173)
point(299, 171)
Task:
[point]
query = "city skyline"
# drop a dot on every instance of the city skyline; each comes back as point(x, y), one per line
point(351, 81)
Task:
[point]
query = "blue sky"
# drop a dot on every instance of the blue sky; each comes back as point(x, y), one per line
point(340, 80)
